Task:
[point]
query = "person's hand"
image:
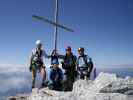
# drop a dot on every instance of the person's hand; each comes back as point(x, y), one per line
point(55, 52)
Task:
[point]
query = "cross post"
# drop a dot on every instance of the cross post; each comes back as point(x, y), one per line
point(54, 23)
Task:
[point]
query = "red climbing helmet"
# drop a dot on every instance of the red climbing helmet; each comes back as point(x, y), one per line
point(68, 48)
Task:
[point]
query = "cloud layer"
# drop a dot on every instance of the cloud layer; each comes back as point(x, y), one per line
point(14, 79)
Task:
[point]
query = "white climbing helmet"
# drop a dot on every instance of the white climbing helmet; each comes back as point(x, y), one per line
point(38, 42)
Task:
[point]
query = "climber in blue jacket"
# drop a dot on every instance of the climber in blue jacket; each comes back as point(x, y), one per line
point(56, 75)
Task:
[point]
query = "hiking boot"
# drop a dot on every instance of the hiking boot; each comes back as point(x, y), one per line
point(43, 85)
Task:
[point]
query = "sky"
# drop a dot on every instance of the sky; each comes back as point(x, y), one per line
point(102, 27)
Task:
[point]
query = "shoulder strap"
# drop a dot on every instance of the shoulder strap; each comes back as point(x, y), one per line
point(73, 59)
point(85, 60)
point(39, 54)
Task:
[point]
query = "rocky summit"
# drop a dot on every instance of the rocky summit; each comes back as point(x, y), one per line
point(105, 87)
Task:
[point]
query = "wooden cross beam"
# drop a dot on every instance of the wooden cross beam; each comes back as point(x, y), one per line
point(54, 23)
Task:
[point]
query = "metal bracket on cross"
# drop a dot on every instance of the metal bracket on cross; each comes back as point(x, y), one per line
point(54, 23)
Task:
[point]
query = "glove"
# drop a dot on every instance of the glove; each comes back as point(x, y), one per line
point(30, 68)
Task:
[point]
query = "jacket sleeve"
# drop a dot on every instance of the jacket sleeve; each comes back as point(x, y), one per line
point(61, 75)
point(91, 65)
point(77, 63)
point(31, 57)
point(51, 75)
point(46, 55)
point(87, 58)
point(61, 56)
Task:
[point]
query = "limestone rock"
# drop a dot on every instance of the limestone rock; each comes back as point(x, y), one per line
point(105, 87)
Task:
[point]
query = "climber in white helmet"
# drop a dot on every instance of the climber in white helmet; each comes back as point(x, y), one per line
point(37, 64)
